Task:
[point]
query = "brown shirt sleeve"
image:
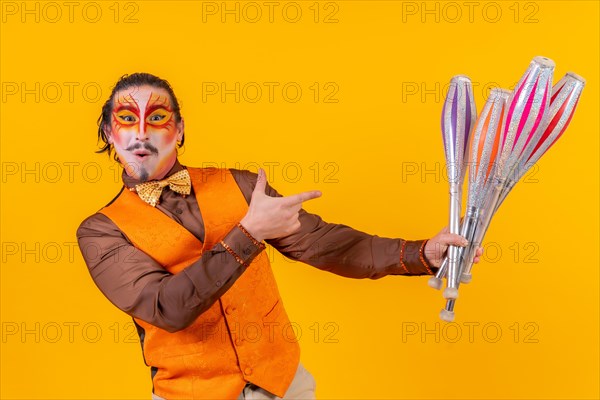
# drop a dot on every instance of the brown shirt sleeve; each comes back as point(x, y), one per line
point(341, 249)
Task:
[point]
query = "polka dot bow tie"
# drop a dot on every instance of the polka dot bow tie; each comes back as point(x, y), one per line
point(178, 182)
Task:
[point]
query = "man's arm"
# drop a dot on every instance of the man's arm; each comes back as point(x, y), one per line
point(348, 252)
point(142, 288)
point(341, 249)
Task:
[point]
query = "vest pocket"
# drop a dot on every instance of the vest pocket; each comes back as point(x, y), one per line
point(274, 311)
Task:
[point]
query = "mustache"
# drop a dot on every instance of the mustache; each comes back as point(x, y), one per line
point(145, 146)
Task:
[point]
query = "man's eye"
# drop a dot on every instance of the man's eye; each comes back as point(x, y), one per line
point(126, 117)
point(159, 117)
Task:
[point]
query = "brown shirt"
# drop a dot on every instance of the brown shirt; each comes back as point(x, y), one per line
point(141, 287)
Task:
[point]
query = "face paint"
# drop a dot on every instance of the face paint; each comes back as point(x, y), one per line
point(144, 132)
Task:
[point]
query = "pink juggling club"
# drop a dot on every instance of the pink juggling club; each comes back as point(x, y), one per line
point(523, 117)
point(565, 96)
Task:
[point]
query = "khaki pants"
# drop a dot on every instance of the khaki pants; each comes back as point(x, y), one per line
point(302, 388)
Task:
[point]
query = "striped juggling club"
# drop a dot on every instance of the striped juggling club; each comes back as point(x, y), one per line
point(565, 96)
point(522, 124)
point(458, 118)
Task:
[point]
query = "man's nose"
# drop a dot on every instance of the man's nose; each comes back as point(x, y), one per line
point(142, 134)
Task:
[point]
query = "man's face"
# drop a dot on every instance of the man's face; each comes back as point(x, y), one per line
point(144, 132)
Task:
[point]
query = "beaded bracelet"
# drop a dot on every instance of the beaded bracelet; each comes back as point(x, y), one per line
point(258, 244)
point(402, 256)
point(422, 257)
point(233, 253)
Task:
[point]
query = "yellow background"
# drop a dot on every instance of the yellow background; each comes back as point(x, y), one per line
point(528, 323)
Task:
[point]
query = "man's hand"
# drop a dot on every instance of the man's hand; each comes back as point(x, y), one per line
point(435, 249)
point(273, 217)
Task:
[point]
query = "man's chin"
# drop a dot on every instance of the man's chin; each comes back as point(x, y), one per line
point(136, 170)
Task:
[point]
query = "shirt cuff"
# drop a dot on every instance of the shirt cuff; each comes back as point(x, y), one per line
point(412, 258)
point(241, 245)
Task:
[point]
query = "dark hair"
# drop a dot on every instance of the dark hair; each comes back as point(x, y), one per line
point(125, 82)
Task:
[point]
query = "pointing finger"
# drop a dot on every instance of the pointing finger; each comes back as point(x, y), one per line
point(301, 197)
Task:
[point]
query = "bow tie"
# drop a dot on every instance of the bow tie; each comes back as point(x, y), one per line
point(178, 182)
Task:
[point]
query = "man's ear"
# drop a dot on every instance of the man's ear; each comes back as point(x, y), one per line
point(106, 129)
point(180, 129)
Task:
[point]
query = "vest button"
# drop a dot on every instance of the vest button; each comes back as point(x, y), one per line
point(178, 211)
point(248, 371)
point(218, 283)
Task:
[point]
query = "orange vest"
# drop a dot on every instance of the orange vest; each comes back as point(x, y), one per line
point(245, 336)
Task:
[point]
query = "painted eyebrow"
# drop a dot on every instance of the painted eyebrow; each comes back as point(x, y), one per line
point(153, 107)
point(128, 106)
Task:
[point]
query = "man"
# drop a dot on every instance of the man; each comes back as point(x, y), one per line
point(181, 251)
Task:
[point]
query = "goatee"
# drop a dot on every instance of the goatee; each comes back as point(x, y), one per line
point(143, 175)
